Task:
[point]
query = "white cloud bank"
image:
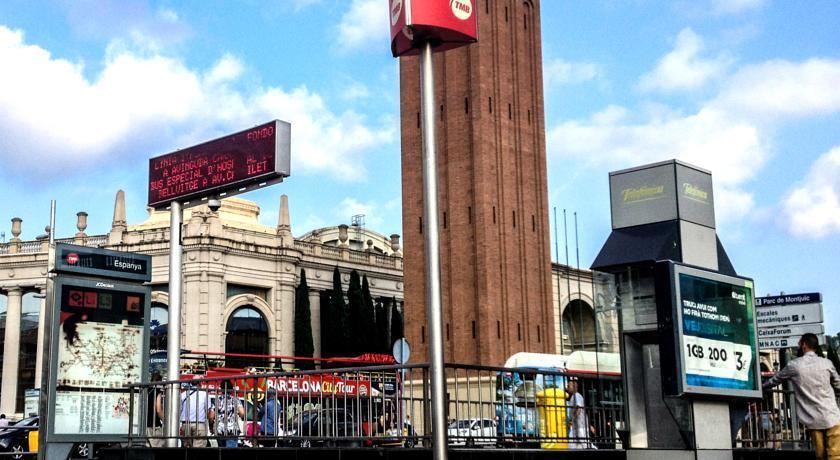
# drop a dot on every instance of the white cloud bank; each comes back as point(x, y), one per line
point(52, 116)
point(812, 209)
point(730, 134)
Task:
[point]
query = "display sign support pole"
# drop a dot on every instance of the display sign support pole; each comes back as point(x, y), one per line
point(173, 339)
point(433, 297)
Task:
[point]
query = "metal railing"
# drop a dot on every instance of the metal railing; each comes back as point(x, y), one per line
point(385, 406)
point(772, 424)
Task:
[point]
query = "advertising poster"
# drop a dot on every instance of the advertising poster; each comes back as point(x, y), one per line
point(719, 339)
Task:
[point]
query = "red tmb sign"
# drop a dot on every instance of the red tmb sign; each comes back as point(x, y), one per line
point(72, 258)
point(446, 24)
point(224, 166)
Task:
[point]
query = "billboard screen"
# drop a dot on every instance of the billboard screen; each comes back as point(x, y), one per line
point(708, 332)
point(224, 166)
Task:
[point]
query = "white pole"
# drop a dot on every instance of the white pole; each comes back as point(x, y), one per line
point(433, 297)
point(173, 338)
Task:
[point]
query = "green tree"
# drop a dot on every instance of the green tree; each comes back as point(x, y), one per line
point(339, 336)
point(303, 324)
point(832, 354)
point(368, 333)
point(396, 322)
point(354, 305)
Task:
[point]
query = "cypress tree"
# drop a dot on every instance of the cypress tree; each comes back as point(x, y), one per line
point(354, 303)
point(832, 355)
point(303, 324)
point(396, 322)
point(368, 336)
point(340, 334)
point(328, 330)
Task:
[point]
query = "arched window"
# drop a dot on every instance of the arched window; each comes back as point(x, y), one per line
point(579, 326)
point(246, 333)
point(158, 326)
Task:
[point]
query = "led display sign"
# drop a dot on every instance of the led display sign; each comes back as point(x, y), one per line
point(707, 326)
point(222, 167)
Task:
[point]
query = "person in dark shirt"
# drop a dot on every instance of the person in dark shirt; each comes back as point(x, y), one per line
point(154, 413)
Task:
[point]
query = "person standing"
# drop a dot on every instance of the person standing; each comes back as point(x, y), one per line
point(815, 382)
point(154, 413)
point(576, 416)
point(195, 414)
point(4, 422)
point(270, 417)
point(228, 411)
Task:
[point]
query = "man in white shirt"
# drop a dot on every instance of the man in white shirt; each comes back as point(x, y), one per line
point(4, 422)
point(815, 382)
point(195, 413)
point(576, 416)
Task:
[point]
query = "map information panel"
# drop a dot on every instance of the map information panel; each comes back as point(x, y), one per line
point(98, 350)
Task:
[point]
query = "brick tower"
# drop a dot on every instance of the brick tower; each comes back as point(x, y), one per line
point(494, 232)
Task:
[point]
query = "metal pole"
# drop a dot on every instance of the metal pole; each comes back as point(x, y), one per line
point(173, 338)
point(559, 296)
point(433, 297)
point(45, 401)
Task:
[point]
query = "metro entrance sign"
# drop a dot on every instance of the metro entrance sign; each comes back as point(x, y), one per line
point(447, 24)
point(225, 166)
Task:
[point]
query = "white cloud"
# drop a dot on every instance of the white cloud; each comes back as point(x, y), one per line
point(365, 23)
point(560, 72)
point(812, 209)
point(735, 6)
point(779, 88)
point(730, 148)
point(683, 68)
point(51, 115)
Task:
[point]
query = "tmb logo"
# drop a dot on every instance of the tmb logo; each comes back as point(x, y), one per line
point(72, 258)
point(462, 9)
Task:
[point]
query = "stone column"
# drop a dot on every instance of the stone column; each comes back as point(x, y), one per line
point(315, 315)
point(285, 312)
point(11, 353)
point(42, 330)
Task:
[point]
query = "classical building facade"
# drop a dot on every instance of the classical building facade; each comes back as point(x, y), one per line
point(239, 283)
point(494, 230)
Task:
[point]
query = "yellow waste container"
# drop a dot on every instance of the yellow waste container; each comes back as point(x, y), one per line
point(551, 407)
point(33, 441)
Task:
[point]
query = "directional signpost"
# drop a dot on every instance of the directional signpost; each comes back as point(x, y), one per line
point(783, 319)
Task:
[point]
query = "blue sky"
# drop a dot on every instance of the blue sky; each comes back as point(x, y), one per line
point(90, 89)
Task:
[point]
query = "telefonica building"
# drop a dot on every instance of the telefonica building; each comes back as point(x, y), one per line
point(239, 284)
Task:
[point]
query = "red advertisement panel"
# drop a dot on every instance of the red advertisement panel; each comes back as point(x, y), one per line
point(446, 23)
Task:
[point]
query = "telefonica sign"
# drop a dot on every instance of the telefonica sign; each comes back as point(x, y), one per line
point(693, 192)
point(660, 192)
point(643, 193)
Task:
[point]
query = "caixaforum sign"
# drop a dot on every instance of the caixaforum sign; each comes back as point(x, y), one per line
point(446, 23)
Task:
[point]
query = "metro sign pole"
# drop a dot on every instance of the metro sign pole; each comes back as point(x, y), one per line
point(421, 27)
